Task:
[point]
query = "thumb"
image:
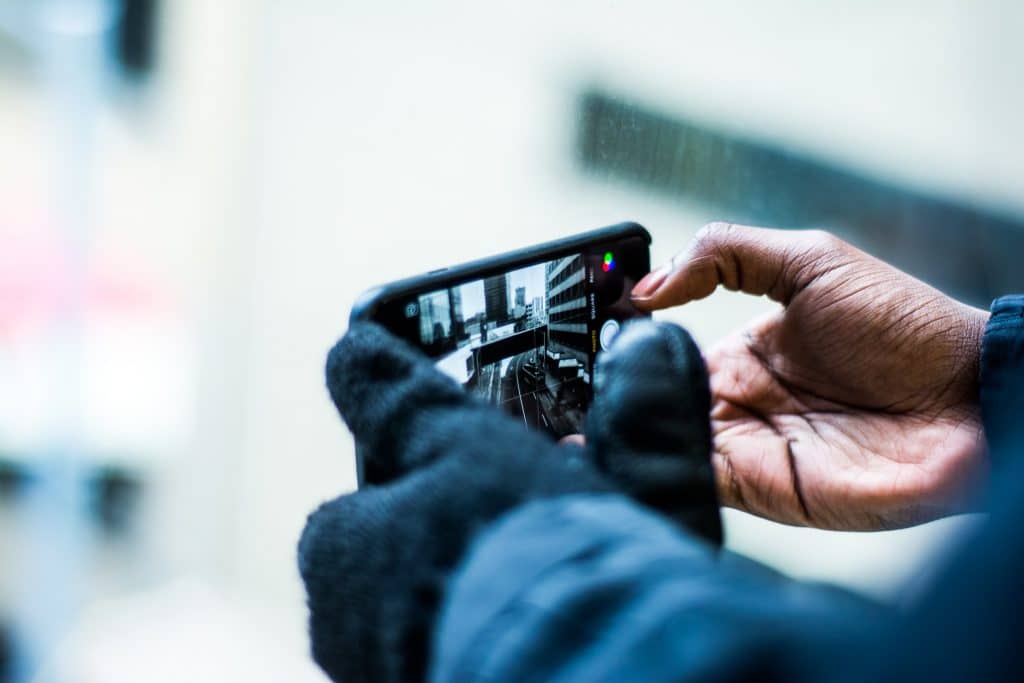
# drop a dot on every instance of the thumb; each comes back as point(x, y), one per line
point(758, 261)
point(649, 427)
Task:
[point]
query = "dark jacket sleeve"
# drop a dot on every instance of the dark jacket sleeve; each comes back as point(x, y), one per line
point(1002, 379)
point(595, 588)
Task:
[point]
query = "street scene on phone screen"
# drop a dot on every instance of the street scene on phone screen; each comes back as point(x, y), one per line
point(519, 340)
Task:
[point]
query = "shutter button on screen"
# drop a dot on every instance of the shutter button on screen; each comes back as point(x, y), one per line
point(608, 332)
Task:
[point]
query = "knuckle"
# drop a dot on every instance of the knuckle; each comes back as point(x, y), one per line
point(715, 231)
point(823, 242)
point(817, 252)
point(712, 238)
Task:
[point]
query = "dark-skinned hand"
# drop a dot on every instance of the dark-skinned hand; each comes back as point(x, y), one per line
point(853, 407)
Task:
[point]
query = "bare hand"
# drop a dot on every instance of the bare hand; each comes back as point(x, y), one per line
point(855, 406)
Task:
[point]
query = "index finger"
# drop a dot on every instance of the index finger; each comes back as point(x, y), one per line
point(758, 261)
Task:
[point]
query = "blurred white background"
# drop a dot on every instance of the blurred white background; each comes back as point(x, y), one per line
point(279, 158)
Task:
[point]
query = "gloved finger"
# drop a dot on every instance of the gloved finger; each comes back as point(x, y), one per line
point(649, 427)
point(382, 386)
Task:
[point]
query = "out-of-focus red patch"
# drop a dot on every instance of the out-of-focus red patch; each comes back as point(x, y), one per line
point(38, 284)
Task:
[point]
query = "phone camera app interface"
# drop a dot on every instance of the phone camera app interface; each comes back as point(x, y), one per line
point(526, 340)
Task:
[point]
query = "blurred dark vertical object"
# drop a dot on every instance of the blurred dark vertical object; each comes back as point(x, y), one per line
point(113, 499)
point(13, 479)
point(6, 655)
point(113, 494)
point(964, 250)
point(136, 37)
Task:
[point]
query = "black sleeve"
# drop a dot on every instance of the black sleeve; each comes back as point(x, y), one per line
point(593, 588)
point(1002, 378)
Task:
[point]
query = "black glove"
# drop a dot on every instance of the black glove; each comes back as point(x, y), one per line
point(439, 466)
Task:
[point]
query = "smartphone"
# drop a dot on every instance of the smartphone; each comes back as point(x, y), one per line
point(522, 329)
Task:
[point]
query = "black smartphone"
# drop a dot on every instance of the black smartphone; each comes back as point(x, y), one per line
point(522, 329)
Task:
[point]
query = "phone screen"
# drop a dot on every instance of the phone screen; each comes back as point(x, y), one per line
point(526, 339)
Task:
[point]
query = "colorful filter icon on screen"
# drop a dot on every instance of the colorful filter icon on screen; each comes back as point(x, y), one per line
point(609, 262)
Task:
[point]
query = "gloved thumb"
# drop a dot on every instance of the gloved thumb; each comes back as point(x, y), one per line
point(649, 427)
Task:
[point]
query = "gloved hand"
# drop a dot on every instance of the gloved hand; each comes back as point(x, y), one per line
point(439, 466)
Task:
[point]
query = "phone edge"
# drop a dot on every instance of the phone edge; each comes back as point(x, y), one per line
point(367, 303)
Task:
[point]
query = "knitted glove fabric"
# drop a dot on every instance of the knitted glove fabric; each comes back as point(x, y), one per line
point(438, 466)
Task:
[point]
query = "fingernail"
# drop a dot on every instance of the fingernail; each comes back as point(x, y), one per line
point(650, 282)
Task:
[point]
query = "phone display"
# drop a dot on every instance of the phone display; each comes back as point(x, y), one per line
point(524, 336)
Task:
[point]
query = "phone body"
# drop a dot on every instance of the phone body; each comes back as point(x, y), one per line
point(522, 329)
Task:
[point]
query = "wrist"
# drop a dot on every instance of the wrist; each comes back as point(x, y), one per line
point(970, 334)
